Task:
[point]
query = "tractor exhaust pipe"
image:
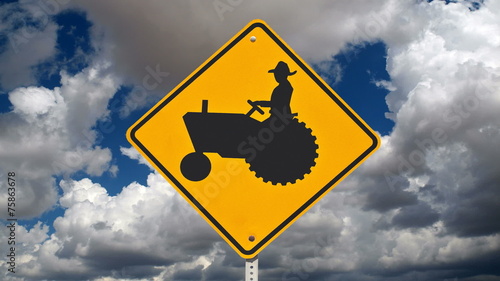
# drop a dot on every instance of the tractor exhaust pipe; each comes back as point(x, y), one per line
point(204, 106)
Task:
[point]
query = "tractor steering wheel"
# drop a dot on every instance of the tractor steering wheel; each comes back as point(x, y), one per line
point(255, 107)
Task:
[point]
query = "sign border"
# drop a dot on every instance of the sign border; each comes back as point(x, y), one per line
point(131, 134)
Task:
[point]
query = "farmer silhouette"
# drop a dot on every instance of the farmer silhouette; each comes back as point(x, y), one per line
point(282, 94)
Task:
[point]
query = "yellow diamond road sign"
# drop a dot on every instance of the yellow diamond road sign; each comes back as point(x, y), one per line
point(253, 138)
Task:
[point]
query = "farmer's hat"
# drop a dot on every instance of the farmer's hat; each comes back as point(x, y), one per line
point(282, 67)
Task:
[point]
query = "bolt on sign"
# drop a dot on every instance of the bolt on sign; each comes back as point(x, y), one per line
point(253, 138)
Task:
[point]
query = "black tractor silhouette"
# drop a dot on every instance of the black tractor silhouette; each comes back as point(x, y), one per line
point(279, 149)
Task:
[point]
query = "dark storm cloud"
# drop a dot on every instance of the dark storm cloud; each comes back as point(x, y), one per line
point(22, 26)
point(217, 272)
point(137, 272)
point(382, 196)
point(189, 274)
point(476, 211)
point(110, 258)
point(146, 35)
point(415, 216)
point(466, 269)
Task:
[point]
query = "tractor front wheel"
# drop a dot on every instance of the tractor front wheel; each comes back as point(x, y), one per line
point(195, 166)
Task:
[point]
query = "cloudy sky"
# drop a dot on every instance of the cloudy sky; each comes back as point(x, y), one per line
point(74, 75)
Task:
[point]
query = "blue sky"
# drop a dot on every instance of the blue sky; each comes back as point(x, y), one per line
point(423, 74)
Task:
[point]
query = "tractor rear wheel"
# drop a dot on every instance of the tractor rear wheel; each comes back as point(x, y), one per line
point(288, 157)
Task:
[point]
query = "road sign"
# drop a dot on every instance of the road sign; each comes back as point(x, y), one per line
point(253, 138)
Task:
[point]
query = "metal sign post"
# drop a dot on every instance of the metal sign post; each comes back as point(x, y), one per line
point(252, 269)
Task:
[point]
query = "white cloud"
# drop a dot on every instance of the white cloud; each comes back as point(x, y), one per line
point(34, 101)
point(445, 105)
point(150, 225)
point(113, 170)
point(133, 154)
point(50, 132)
point(150, 232)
